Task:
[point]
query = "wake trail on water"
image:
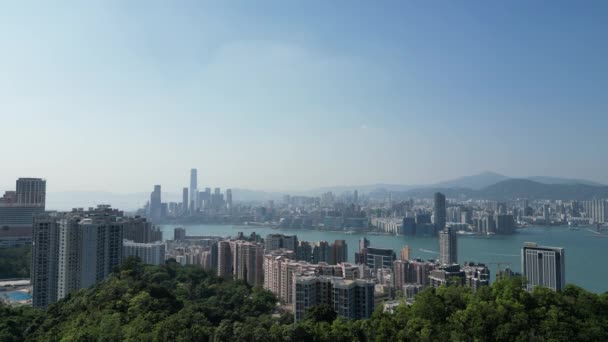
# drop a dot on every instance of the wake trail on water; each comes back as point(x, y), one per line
point(428, 251)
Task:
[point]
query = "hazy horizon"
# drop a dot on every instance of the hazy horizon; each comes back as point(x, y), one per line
point(279, 96)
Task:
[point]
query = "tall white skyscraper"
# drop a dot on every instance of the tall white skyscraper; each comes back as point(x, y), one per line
point(193, 188)
point(543, 266)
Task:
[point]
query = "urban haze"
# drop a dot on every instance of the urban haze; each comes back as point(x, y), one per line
point(303, 171)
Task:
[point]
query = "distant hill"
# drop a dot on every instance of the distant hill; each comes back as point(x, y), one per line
point(525, 188)
point(474, 182)
point(557, 180)
point(460, 186)
point(512, 189)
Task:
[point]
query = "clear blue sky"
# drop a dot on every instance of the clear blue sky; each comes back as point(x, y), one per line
point(121, 95)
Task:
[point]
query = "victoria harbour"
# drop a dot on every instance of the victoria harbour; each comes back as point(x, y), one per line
point(583, 247)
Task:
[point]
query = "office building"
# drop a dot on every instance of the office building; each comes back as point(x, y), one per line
point(439, 211)
point(543, 266)
point(448, 247)
point(148, 253)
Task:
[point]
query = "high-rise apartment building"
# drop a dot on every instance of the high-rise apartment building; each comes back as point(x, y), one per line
point(224, 259)
point(304, 251)
point(439, 211)
point(149, 253)
point(277, 241)
point(45, 255)
point(351, 299)
point(274, 272)
point(74, 250)
point(339, 252)
point(412, 272)
point(543, 266)
point(140, 230)
point(405, 253)
point(476, 275)
point(596, 210)
point(247, 261)
point(448, 246)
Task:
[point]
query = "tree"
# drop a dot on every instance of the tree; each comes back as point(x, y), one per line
point(321, 313)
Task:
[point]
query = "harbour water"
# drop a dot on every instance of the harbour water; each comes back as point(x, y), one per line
point(585, 250)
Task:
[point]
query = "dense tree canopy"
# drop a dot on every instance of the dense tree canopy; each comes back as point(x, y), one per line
point(176, 303)
point(15, 262)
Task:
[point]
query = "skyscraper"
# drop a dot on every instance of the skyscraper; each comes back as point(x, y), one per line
point(193, 189)
point(439, 212)
point(185, 203)
point(543, 266)
point(448, 247)
point(155, 204)
point(229, 198)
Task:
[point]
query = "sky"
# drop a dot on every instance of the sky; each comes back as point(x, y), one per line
point(291, 95)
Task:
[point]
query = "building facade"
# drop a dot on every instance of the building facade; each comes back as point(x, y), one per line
point(543, 266)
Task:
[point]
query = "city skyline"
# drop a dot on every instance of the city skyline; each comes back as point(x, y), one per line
point(296, 96)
